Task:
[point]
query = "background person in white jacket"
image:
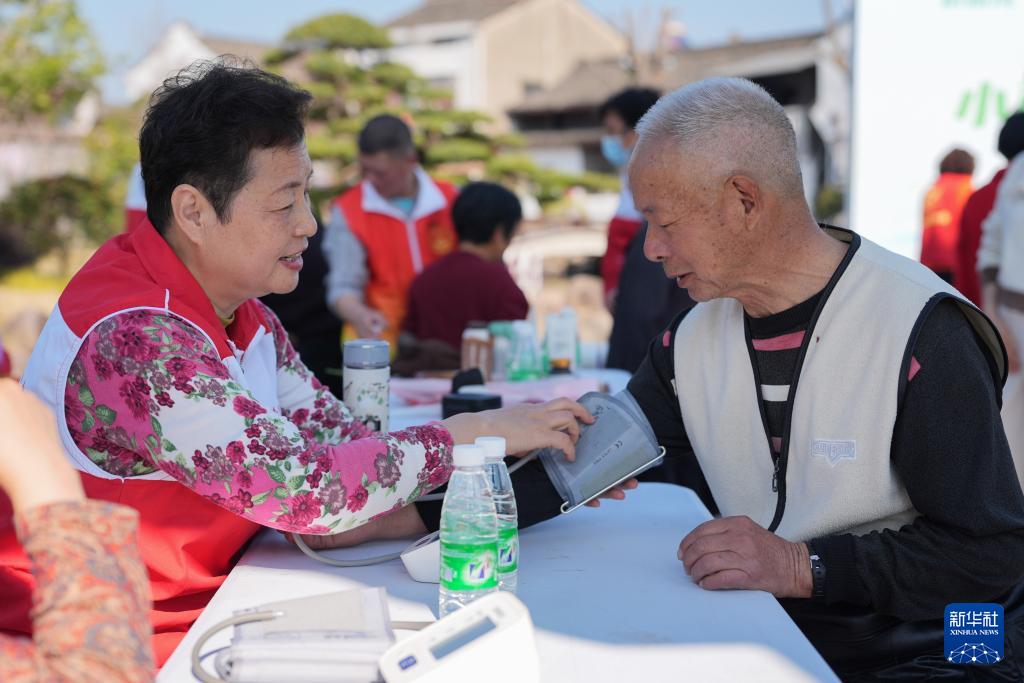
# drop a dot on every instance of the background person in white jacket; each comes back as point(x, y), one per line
point(1001, 265)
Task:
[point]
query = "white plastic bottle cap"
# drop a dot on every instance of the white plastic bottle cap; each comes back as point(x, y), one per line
point(493, 446)
point(468, 455)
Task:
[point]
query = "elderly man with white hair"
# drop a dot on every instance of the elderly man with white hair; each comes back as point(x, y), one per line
point(840, 401)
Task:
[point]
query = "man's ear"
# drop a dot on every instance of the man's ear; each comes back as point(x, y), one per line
point(192, 212)
point(747, 192)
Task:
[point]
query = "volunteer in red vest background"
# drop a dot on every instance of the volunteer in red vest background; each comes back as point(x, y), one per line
point(179, 394)
point(943, 206)
point(384, 232)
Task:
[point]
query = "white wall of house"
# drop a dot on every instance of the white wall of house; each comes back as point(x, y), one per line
point(31, 154)
point(179, 47)
point(567, 159)
point(445, 54)
point(536, 44)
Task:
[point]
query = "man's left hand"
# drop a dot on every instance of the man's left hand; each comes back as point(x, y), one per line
point(735, 552)
point(614, 493)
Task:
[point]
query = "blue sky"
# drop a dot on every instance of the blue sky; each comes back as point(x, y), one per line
point(127, 28)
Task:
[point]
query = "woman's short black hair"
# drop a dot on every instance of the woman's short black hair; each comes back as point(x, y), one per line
point(630, 104)
point(201, 126)
point(481, 209)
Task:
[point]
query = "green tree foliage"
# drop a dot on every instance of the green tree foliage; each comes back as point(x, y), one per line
point(112, 149)
point(50, 214)
point(328, 56)
point(334, 31)
point(546, 184)
point(349, 87)
point(48, 59)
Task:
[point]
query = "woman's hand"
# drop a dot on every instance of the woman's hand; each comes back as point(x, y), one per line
point(526, 427)
point(34, 469)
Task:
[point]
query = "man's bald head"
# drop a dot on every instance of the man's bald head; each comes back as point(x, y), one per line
point(733, 125)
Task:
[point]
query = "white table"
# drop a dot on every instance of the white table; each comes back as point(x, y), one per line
point(607, 595)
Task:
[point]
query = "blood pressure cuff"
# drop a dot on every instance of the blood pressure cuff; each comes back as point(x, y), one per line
point(619, 445)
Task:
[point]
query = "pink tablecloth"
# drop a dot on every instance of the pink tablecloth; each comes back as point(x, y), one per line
point(425, 391)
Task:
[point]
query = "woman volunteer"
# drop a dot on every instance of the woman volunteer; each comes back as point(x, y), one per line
point(179, 394)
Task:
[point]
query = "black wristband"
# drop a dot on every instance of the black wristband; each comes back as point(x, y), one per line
point(817, 576)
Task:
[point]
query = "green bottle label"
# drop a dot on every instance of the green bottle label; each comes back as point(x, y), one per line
point(469, 566)
point(508, 550)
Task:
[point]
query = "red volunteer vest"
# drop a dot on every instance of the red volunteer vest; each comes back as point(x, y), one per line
point(389, 252)
point(943, 206)
point(188, 543)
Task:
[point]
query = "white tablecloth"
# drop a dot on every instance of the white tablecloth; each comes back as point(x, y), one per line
point(607, 595)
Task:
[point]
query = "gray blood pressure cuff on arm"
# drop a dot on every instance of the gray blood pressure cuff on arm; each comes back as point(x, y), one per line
point(619, 445)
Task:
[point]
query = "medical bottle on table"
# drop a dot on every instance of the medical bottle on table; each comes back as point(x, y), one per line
point(525, 363)
point(365, 379)
point(505, 507)
point(477, 349)
point(469, 534)
point(560, 341)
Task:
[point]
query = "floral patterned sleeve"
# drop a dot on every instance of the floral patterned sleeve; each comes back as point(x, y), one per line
point(91, 602)
point(147, 390)
point(303, 399)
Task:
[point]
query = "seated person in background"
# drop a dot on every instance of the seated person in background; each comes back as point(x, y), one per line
point(471, 283)
point(178, 392)
point(90, 603)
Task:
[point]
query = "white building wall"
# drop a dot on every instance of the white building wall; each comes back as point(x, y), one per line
point(29, 155)
point(179, 47)
point(567, 159)
point(831, 112)
point(442, 53)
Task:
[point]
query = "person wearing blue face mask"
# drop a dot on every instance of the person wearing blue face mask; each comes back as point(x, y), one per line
point(619, 115)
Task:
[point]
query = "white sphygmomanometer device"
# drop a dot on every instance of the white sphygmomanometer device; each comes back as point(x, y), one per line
point(423, 559)
point(467, 644)
point(349, 637)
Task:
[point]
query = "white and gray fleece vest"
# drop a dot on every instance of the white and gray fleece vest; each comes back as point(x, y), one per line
point(835, 474)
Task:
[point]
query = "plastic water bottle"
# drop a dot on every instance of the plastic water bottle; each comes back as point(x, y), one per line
point(505, 506)
point(469, 534)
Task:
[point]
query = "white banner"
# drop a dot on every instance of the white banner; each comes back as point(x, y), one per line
point(929, 75)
